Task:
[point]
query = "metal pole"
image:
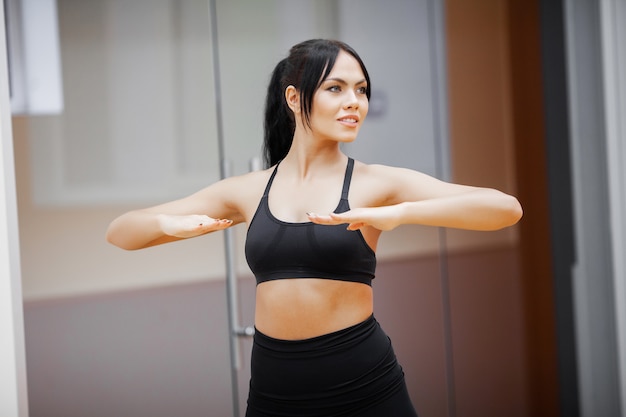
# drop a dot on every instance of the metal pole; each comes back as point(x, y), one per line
point(234, 329)
point(228, 241)
point(442, 149)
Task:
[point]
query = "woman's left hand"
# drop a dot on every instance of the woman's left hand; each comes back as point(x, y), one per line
point(381, 218)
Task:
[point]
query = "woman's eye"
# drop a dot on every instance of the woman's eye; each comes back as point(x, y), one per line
point(362, 90)
point(334, 88)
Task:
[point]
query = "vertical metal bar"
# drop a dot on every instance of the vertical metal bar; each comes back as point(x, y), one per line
point(218, 88)
point(231, 291)
point(436, 33)
point(233, 318)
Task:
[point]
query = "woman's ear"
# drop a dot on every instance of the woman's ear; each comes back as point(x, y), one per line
point(292, 97)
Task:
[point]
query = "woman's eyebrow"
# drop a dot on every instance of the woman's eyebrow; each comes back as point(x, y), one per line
point(342, 81)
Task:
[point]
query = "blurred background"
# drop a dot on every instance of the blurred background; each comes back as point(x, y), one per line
point(115, 105)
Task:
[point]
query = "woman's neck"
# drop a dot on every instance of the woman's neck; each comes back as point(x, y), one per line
point(305, 157)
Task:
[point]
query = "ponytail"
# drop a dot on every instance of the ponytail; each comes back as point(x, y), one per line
point(279, 121)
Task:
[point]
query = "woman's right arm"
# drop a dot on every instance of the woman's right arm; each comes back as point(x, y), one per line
point(205, 211)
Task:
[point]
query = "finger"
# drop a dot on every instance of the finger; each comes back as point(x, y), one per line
point(317, 218)
point(213, 224)
point(220, 223)
point(329, 219)
point(224, 223)
point(347, 217)
point(356, 226)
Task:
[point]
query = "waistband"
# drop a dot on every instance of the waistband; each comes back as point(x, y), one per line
point(340, 339)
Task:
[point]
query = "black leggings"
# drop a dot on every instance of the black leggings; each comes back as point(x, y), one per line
point(351, 372)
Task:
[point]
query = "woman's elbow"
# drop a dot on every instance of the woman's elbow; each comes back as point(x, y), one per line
point(115, 237)
point(510, 212)
point(112, 238)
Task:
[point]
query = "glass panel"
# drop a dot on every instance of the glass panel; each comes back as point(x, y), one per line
point(139, 117)
point(402, 49)
point(110, 332)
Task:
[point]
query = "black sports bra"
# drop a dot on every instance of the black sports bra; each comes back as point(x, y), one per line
point(280, 250)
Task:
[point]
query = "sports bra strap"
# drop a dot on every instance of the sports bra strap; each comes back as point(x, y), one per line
point(269, 183)
point(346, 180)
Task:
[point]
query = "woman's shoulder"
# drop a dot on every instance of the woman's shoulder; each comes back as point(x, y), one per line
point(378, 170)
point(372, 184)
point(250, 179)
point(243, 192)
point(387, 183)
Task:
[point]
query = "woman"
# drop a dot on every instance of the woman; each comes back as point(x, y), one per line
point(314, 218)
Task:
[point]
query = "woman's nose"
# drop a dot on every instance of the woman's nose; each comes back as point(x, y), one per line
point(352, 102)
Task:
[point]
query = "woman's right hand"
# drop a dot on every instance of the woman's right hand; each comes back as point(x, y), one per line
point(186, 226)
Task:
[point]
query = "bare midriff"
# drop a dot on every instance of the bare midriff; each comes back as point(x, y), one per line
point(302, 308)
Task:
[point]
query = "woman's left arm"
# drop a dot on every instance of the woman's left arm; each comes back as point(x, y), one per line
point(412, 197)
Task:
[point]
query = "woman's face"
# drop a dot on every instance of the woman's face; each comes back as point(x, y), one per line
point(340, 103)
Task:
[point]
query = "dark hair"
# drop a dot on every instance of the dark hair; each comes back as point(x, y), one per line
point(306, 67)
